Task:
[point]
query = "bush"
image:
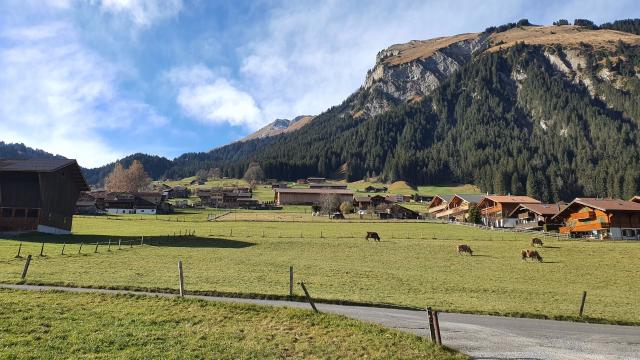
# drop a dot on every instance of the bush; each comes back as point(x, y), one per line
point(561, 22)
point(346, 207)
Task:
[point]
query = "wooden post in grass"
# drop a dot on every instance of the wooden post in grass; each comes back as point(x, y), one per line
point(181, 278)
point(109, 245)
point(231, 233)
point(432, 329)
point(63, 246)
point(306, 293)
point(19, 250)
point(96, 250)
point(320, 234)
point(291, 281)
point(584, 298)
point(80, 249)
point(131, 244)
point(42, 249)
point(142, 240)
point(26, 267)
point(436, 322)
point(119, 244)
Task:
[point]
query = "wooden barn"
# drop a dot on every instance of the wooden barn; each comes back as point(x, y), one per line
point(39, 195)
point(601, 219)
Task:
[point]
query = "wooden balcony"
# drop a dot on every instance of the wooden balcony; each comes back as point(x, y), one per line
point(585, 227)
point(437, 208)
point(583, 215)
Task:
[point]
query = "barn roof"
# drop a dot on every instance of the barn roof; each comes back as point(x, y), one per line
point(45, 166)
point(471, 198)
point(512, 199)
point(316, 191)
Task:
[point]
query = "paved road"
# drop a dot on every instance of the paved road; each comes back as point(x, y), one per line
point(482, 337)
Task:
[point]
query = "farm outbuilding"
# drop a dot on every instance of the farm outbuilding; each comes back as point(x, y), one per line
point(39, 195)
point(309, 196)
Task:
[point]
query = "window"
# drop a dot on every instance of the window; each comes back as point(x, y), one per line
point(20, 213)
point(7, 212)
point(32, 213)
point(628, 232)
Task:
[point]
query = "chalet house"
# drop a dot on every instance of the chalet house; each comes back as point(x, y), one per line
point(438, 204)
point(536, 216)
point(635, 199)
point(87, 204)
point(458, 207)
point(39, 195)
point(495, 209)
point(126, 203)
point(395, 211)
point(316, 180)
point(226, 197)
point(179, 192)
point(327, 185)
point(373, 189)
point(601, 219)
point(309, 196)
point(363, 202)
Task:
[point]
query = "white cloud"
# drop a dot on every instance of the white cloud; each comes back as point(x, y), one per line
point(211, 98)
point(57, 95)
point(143, 13)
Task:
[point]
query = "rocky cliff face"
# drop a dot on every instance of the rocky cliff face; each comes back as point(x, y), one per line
point(280, 126)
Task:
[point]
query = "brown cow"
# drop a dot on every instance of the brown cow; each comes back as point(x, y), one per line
point(531, 254)
point(372, 235)
point(463, 248)
point(536, 242)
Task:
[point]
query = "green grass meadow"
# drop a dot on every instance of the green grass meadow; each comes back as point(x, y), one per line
point(48, 325)
point(414, 265)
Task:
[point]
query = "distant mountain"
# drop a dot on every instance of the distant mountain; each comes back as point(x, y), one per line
point(280, 126)
point(20, 151)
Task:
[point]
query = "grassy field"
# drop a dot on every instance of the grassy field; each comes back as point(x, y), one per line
point(61, 325)
point(414, 265)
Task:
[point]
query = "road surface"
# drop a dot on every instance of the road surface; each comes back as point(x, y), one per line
point(480, 336)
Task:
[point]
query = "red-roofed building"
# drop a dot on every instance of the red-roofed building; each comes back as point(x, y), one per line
point(495, 209)
point(601, 218)
point(536, 216)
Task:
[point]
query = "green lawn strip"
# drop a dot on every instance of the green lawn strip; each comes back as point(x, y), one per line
point(415, 265)
point(55, 324)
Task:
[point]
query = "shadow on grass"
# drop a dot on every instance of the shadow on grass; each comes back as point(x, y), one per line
point(156, 241)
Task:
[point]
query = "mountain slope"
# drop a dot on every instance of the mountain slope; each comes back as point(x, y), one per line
point(20, 151)
point(546, 117)
point(280, 126)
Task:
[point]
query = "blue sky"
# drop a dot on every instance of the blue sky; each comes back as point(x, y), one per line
point(97, 80)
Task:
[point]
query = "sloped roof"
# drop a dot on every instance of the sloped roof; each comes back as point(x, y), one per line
point(45, 166)
point(513, 199)
point(445, 199)
point(471, 198)
point(541, 209)
point(602, 204)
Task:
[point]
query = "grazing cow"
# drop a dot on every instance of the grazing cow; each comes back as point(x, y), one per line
point(531, 254)
point(536, 242)
point(372, 235)
point(462, 248)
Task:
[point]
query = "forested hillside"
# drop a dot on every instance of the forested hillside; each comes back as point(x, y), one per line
point(20, 151)
point(545, 120)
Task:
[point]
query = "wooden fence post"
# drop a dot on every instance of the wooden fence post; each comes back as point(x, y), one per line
point(291, 281)
point(436, 322)
point(181, 278)
point(80, 249)
point(96, 250)
point(119, 244)
point(63, 246)
point(131, 243)
point(306, 293)
point(142, 240)
point(109, 245)
point(19, 250)
point(42, 249)
point(584, 298)
point(26, 267)
point(431, 325)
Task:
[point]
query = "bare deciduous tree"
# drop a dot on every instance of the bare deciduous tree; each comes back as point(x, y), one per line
point(133, 179)
point(330, 203)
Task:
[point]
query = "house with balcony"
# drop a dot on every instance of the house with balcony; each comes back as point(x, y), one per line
point(537, 216)
point(601, 219)
point(438, 204)
point(459, 205)
point(496, 209)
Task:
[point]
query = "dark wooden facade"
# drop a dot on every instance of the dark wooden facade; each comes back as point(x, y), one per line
point(39, 194)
